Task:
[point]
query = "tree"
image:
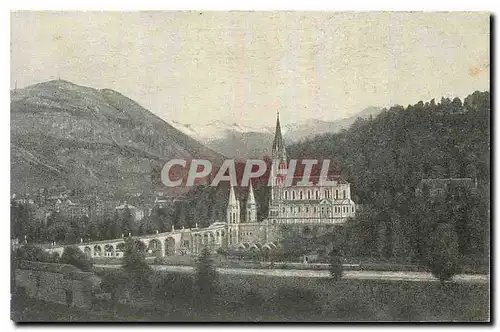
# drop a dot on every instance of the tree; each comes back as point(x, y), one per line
point(31, 253)
point(456, 105)
point(443, 257)
point(206, 278)
point(335, 264)
point(135, 265)
point(134, 256)
point(127, 221)
point(74, 256)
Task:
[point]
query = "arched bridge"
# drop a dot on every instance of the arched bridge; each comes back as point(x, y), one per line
point(176, 242)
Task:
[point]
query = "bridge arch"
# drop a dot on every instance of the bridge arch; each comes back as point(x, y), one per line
point(87, 251)
point(109, 250)
point(155, 247)
point(97, 250)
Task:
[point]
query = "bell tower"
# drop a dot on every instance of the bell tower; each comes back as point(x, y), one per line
point(233, 218)
point(251, 206)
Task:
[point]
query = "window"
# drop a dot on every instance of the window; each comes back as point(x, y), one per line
point(299, 209)
point(326, 194)
point(293, 194)
point(352, 208)
point(315, 209)
point(291, 209)
point(300, 195)
point(317, 194)
point(286, 194)
point(308, 194)
point(336, 194)
point(307, 209)
point(283, 210)
point(344, 194)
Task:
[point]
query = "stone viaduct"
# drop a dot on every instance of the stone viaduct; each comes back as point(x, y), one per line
point(176, 242)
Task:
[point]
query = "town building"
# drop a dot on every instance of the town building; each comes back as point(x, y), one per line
point(436, 188)
point(136, 212)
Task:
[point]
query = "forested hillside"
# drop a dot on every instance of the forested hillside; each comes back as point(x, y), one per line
point(384, 158)
point(392, 152)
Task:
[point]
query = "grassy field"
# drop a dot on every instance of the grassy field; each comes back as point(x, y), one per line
point(268, 299)
point(265, 298)
point(361, 300)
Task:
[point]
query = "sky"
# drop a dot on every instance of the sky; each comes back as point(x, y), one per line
point(243, 67)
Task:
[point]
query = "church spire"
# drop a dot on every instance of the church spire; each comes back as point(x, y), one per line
point(251, 206)
point(251, 197)
point(278, 139)
point(232, 197)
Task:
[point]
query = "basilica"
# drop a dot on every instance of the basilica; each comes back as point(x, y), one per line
point(314, 204)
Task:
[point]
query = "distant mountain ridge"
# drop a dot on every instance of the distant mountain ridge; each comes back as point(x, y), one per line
point(243, 142)
point(76, 136)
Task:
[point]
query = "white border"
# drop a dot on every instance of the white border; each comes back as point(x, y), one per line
point(380, 5)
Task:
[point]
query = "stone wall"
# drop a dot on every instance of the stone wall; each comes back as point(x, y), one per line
point(73, 289)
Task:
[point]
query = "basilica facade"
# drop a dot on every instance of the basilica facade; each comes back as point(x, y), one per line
point(302, 205)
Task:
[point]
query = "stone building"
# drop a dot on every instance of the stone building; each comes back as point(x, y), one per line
point(434, 188)
point(311, 204)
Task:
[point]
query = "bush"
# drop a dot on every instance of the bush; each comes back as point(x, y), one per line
point(335, 264)
point(206, 278)
point(74, 256)
point(443, 258)
point(111, 280)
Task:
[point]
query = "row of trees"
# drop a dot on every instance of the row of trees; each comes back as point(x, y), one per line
point(55, 226)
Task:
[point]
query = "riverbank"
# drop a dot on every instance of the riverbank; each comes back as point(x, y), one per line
point(303, 273)
point(222, 262)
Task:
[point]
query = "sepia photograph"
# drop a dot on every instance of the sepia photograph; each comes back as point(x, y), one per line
point(250, 166)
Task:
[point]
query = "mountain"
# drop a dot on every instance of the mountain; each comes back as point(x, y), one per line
point(67, 135)
point(299, 131)
point(243, 142)
point(232, 140)
point(216, 130)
